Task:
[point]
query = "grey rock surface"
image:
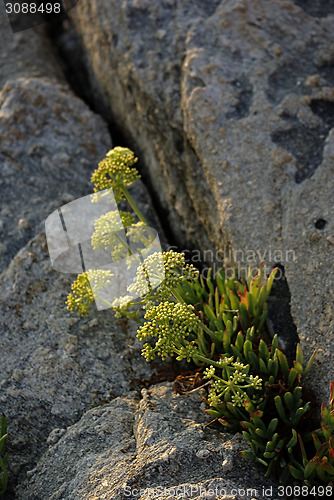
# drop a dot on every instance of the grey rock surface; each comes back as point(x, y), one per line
point(155, 447)
point(50, 141)
point(55, 365)
point(230, 106)
point(26, 54)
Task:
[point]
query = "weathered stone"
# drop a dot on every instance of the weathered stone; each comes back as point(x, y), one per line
point(54, 365)
point(28, 54)
point(158, 447)
point(50, 142)
point(230, 106)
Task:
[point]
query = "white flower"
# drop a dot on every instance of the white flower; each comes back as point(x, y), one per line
point(237, 399)
point(255, 382)
point(209, 372)
point(122, 301)
point(223, 362)
point(238, 377)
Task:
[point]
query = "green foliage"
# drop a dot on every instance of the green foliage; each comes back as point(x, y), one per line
point(217, 322)
point(3, 456)
point(320, 468)
point(224, 300)
point(220, 309)
point(274, 442)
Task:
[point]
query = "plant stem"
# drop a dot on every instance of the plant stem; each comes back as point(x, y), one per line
point(106, 302)
point(208, 361)
point(137, 211)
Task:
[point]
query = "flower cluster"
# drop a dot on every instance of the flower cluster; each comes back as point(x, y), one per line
point(99, 279)
point(163, 274)
point(122, 302)
point(148, 273)
point(172, 324)
point(233, 385)
point(84, 288)
point(106, 230)
point(116, 172)
point(138, 233)
point(127, 307)
point(176, 269)
point(81, 297)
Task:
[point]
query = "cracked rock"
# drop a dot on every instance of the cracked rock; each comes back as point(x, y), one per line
point(230, 106)
point(145, 448)
point(54, 365)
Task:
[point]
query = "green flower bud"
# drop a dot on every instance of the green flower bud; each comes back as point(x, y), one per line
point(115, 172)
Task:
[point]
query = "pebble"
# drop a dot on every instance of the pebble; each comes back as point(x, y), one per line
point(18, 375)
point(24, 224)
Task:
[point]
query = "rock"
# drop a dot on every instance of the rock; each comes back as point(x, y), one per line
point(50, 143)
point(157, 447)
point(229, 104)
point(27, 54)
point(54, 365)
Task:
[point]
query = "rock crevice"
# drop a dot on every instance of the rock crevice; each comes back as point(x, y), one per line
point(230, 109)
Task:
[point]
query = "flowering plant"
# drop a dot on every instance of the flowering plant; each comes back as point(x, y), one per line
point(218, 323)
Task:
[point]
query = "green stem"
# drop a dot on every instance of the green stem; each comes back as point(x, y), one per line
point(208, 361)
point(137, 211)
point(178, 297)
point(124, 244)
point(106, 302)
point(208, 331)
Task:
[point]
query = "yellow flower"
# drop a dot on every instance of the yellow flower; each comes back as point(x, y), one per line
point(116, 172)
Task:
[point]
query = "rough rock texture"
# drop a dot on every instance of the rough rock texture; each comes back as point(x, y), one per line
point(157, 447)
point(50, 141)
point(25, 54)
point(54, 365)
point(230, 105)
